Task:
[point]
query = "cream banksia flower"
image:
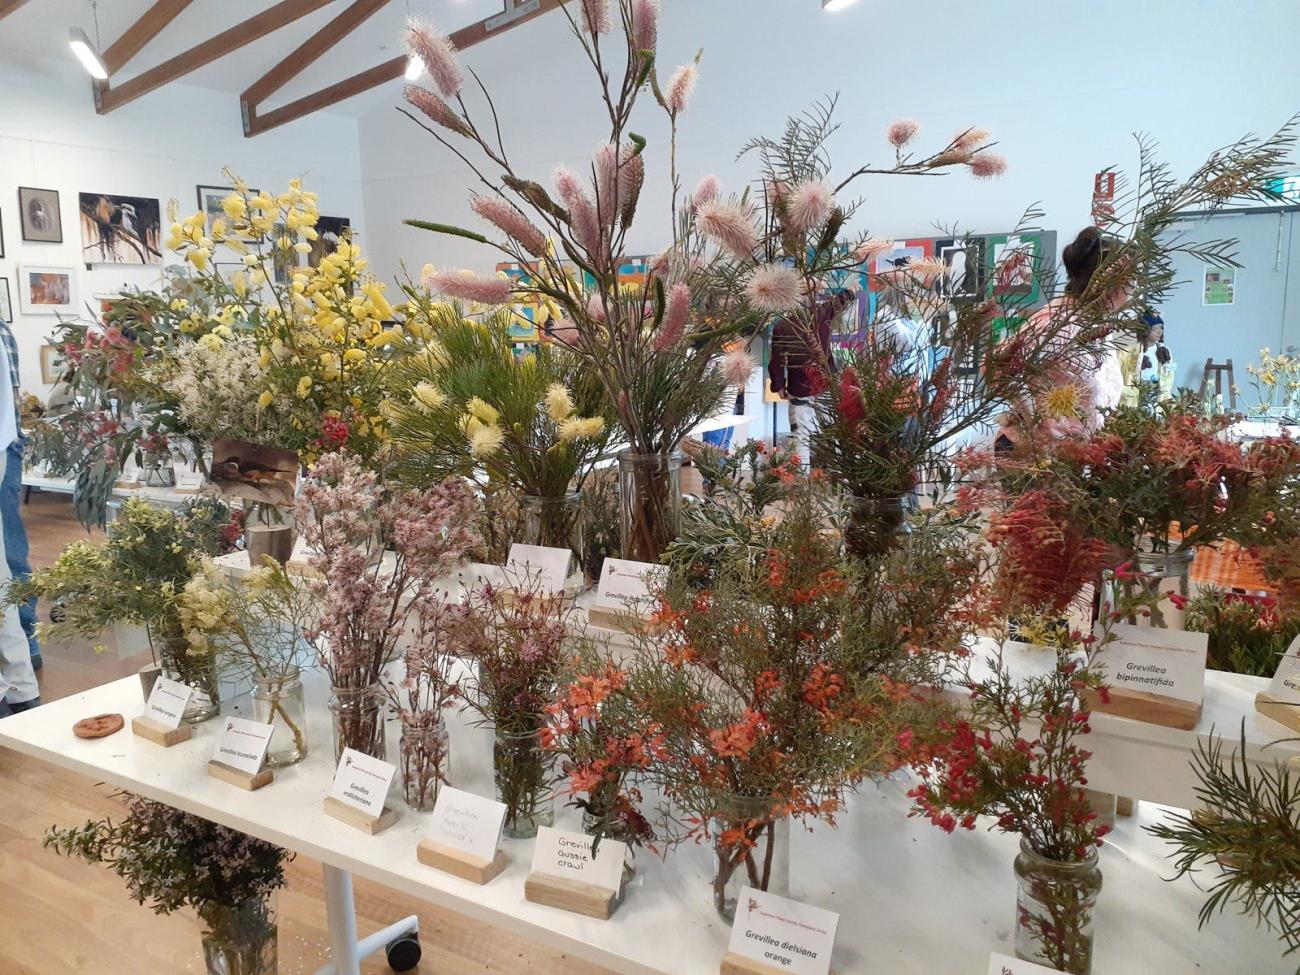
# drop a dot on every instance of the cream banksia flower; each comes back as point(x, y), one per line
point(485, 440)
point(428, 397)
point(595, 16)
point(872, 248)
point(438, 55)
point(482, 411)
point(674, 321)
point(580, 428)
point(706, 191)
point(468, 286)
point(737, 365)
point(987, 165)
point(645, 25)
point(435, 108)
point(774, 288)
point(559, 404)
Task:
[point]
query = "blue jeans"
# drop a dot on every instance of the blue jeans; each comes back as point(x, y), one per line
point(15, 536)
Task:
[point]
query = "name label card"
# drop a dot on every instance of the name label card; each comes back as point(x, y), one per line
point(1002, 965)
point(549, 567)
point(783, 934)
point(243, 744)
point(624, 582)
point(1286, 682)
point(568, 856)
point(1170, 663)
point(466, 822)
point(167, 702)
point(190, 481)
point(362, 782)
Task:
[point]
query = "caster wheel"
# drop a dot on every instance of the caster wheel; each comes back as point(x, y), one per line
point(57, 613)
point(403, 952)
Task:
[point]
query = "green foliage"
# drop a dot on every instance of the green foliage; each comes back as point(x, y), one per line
point(1245, 638)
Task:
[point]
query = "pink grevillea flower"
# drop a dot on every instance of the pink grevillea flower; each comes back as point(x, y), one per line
point(731, 225)
point(633, 179)
point(737, 365)
point(987, 165)
point(971, 139)
point(565, 332)
point(435, 108)
point(808, 205)
point(645, 24)
point(850, 403)
point(606, 166)
point(902, 131)
point(467, 286)
point(673, 325)
point(706, 191)
point(871, 248)
point(661, 263)
point(513, 223)
point(596, 308)
point(774, 288)
point(438, 55)
point(582, 210)
point(680, 88)
point(595, 17)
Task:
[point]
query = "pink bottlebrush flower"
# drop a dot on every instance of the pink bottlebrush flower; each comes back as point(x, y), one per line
point(850, 403)
point(582, 211)
point(925, 270)
point(737, 365)
point(808, 205)
point(971, 139)
point(774, 288)
point(595, 17)
point(673, 325)
point(468, 286)
point(987, 165)
point(435, 108)
point(872, 248)
point(633, 180)
point(512, 222)
point(661, 263)
point(706, 191)
point(606, 166)
point(731, 225)
point(902, 131)
point(680, 87)
point(645, 24)
point(438, 55)
point(596, 308)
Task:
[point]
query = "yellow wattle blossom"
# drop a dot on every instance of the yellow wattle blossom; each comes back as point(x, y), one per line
point(559, 404)
point(580, 428)
point(265, 400)
point(304, 387)
point(234, 207)
point(212, 342)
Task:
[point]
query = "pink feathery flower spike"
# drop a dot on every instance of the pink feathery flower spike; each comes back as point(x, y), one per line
point(737, 366)
point(438, 55)
point(731, 225)
point(435, 108)
point(468, 286)
point(872, 248)
point(987, 165)
point(926, 270)
point(607, 179)
point(645, 24)
point(680, 88)
point(674, 322)
point(902, 131)
point(595, 17)
point(596, 308)
point(513, 223)
point(971, 139)
point(565, 332)
point(706, 191)
point(808, 205)
point(774, 288)
point(582, 211)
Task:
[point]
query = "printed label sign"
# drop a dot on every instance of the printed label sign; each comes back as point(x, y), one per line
point(190, 480)
point(547, 566)
point(243, 744)
point(1159, 661)
point(167, 702)
point(362, 782)
point(624, 583)
point(467, 822)
point(568, 855)
point(783, 934)
point(1002, 965)
point(1286, 682)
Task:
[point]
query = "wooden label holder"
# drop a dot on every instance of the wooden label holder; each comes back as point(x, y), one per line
point(356, 818)
point(245, 780)
point(733, 964)
point(458, 863)
point(1283, 712)
point(1170, 712)
point(617, 618)
point(159, 734)
point(571, 895)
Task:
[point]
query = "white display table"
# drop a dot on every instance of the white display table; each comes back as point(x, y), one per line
point(911, 899)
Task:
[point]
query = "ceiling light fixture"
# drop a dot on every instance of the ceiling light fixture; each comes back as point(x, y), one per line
point(86, 54)
point(414, 67)
point(834, 5)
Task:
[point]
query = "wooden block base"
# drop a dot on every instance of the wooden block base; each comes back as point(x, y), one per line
point(1282, 712)
point(1148, 707)
point(245, 780)
point(733, 964)
point(570, 895)
point(356, 818)
point(459, 863)
point(620, 619)
point(151, 730)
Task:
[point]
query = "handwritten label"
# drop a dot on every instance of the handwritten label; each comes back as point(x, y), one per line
point(1002, 965)
point(624, 583)
point(362, 782)
point(1170, 663)
point(167, 702)
point(1286, 682)
point(466, 822)
point(549, 567)
point(243, 744)
point(568, 855)
point(783, 934)
point(190, 481)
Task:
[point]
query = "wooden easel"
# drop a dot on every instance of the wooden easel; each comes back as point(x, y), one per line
point(1218, 370)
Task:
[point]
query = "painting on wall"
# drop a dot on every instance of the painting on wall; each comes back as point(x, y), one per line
point(120, 229)
point(210, 198)
point(6, 302)
point(2, 234)
point(963, 266)
point(52, 364)
point(329, 231)
point(39, 215)
point(45, 290)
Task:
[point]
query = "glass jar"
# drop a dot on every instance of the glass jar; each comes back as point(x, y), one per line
point(873, 524)
point(358, 721)
point(1165, 573)
point(425, 755)
point(525, 782)
point(650, 503)
point(196, 671)
point(1055, 902)
point(751, 848)
point(552, 522)
point(629, 857)
point(159, 471)
point(278, 701)
point(240, 940)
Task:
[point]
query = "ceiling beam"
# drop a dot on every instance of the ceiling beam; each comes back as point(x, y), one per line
point(9, 6)
point(255, 124)
point(273, 18)
point(144, 30)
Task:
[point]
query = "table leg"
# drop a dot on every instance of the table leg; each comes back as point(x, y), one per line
point(346, 951)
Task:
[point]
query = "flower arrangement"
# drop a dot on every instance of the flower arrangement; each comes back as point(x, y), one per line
point(1277, 383)
point(1247, 635)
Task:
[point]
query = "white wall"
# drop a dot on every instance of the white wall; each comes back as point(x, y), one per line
point(162, 145)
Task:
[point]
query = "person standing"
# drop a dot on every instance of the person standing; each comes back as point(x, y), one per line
point(18, 688)
point(11, 489)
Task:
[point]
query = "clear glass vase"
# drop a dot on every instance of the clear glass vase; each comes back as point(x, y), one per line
point(158, 471)
point(525, 782)
point(629, 857)
point(198, 671)
point(425, 757)
point(873, 524)
point(358, 719)
point(278, 701)
point(650, 503)
point(1055, 902)
point(552, 522)
point(240, 940)
point(1164, 573)
point(751, 848)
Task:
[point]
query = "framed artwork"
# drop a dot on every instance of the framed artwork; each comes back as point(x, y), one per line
point(963, 263)
point(52, 364)
point(898, 256)
point(2, 235)
point(283, 262)
point(329, 231)
point(210, 198)
point(39, 215)
point(120, 229)
point(45, 290)
point(1016, 266)
point(6, 302)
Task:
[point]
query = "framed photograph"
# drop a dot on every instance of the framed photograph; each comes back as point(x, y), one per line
point(330, 231)
point(254, 473)
point(45, 290)
point(6, 302)
point(210, 198)
point(52, 364)
point(120, 229)
point(39, 215)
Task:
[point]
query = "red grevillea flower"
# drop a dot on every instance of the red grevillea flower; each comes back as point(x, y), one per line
point(673, 325)
point(680, 88)
point(1046, 559)
point(438, 55)
point(987, 165)
point(645, 24)
point(774, 288)
point(512, 222)
point(468, 286)
point(808, 205)
point(435, 108)
point(902, 131)
point(851, 407)
point(731, 225)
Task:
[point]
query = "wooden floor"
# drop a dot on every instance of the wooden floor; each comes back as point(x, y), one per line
point(66, 917)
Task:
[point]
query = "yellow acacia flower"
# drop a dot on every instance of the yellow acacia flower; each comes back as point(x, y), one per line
point(265, 400)
point(304, 387)
point(559, 404)
point(212, 342)
point(234, 207)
